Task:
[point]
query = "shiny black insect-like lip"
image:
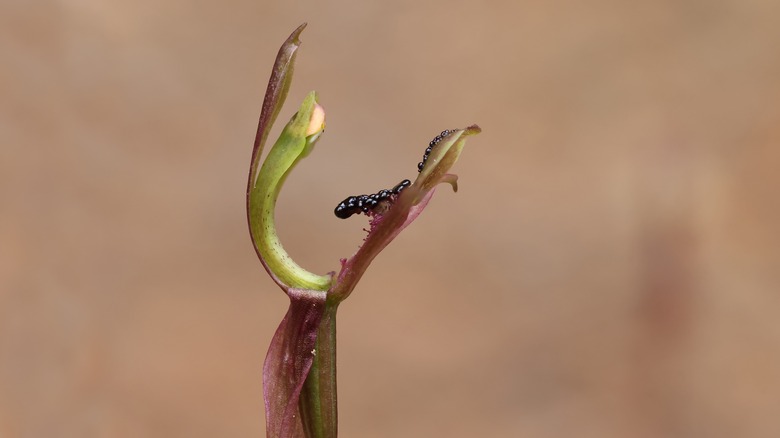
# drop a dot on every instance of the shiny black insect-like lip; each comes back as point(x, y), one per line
point(376, 203)
point(380, 202)
point(346, 208)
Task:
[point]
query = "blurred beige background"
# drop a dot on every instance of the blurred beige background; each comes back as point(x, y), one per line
point(609, 267)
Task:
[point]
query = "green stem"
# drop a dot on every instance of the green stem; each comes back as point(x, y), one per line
point(317, 404)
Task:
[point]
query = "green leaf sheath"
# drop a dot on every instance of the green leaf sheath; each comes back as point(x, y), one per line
point(317, 405)
point(290, 358)
point(292, 145)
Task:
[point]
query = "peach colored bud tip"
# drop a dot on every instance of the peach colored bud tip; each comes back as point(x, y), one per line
point(317, 120)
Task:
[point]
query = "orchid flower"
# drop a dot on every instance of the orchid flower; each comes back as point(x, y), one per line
point(299, 374)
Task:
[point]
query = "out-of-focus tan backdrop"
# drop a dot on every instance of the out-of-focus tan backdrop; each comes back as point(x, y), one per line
point(609, 267)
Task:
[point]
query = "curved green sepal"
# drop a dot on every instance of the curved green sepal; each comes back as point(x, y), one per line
point(295, 142)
